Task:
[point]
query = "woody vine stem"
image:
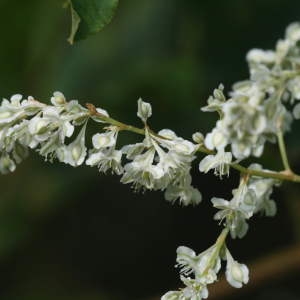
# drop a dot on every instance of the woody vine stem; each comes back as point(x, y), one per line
point(258, 110)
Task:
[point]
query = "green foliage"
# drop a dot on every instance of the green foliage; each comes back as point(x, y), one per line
point(90, 16)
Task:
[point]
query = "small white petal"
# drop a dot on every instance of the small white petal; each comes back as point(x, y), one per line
point(144, 110)
point(103, 140)
point(16, 98)
point(58, 99)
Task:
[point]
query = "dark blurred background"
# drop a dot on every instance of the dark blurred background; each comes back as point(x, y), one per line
point(75, 234)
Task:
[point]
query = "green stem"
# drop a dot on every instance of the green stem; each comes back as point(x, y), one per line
point(286, 175)
point(221, 239)
point(282, 149)
point(219, 244)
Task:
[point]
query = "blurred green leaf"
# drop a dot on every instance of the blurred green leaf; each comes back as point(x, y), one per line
point(90, 16)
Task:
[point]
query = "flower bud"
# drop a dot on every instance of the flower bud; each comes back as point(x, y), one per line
point(172, 295)
point(144, 110)
point(236, 273)
point(7, 165)
point(215, 140)
point(259, 56)
point(198, 138)
point(104, 140)
point(293, 32)
point(58, 99)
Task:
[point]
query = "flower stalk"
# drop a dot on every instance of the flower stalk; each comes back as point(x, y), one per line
point(283, 152)
point(282, 175)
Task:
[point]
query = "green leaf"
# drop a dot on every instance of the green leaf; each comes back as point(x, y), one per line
point(90, 16)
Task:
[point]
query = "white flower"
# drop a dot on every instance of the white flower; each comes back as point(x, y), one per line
point(43, 127)
point(73, 108)
point(144, 110)
point(15, 109)
point(183, 191)
point(9, 135)
point(107, 159)
point(104, 140)
point(216, 101)
point(220, 162)
point(263, 188)
point(66, 129)
point(244, 122)
point(39, 128)
point(296, 111)
point(236, 274)
point(166, 161)
point(174, 143)
point(235, 212)
point(74, 154)
point(172, 295)
point(186, 195)
point(282, 49)
point(13, 146)
point(259, 56)
point(73, 111)
point(187, 260)
point(168, 134)
point(293, 86)
point(178, 157)
point(198, 138)
point(133, 150)
point(245, 199)
point(49, 148)
point(176, 168)
point(141, 172)
point(58, 99)
point(182, 147)
point(7, 165)
point(215, 140)
point(293, 32)
point(19, 152)
point(241, 150)
point(104, 156)
point(193, 290)
point(204, 266)
point(173, 165)
point(32, 106)
point(11, 111)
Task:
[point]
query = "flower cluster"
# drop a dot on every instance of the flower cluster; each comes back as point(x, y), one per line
point(252, 196)
point(257, 110)
point(104, 155)
point(29, 124)
point(204, 269)
point(160, 162)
